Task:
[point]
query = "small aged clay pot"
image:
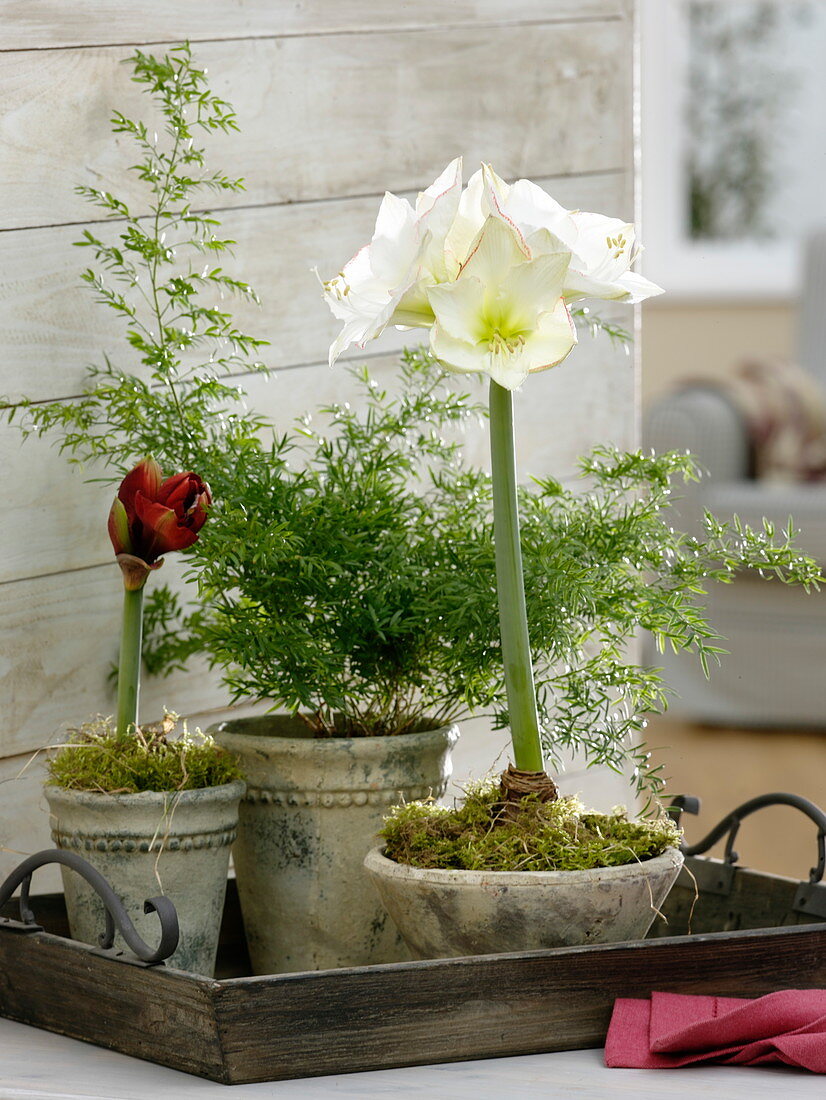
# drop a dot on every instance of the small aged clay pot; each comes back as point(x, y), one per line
point(311, 813)
point(446, 914)
point(175, 843)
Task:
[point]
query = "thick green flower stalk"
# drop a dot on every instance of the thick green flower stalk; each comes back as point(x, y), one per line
point(129, 663)
point(513, 618)
point(149, 517)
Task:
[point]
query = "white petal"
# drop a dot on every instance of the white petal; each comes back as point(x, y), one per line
point(457, 355)
point(450, 180)
point(469, 219)
point(396, 244)
point(357, 270)
point(495, 190)
point(580, 285)
point(510, 373)
point(355, 275)
point(437, 208)
point(629, 288)
point(605, 245)
point(551, 341)
point(414, 309)
point(639, 288)
point(339, 306)
point(394, 217)
point(529, 205)
point(534, 287)
point(510, 376)
point(594, 227)
point(459, 308)
point(395, 262)
point(542, 242)
point(350, 334)
point(496, 250)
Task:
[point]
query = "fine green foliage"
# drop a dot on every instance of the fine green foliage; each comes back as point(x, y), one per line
point(596, 325)
point(333, 585)
point(543, 836)
point(357, 586)
point(603, 562)
point(159, 272)
point(96, 758)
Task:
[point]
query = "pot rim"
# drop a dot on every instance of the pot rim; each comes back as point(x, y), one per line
point(320, 745)
point(224, 792)
point(377, 863)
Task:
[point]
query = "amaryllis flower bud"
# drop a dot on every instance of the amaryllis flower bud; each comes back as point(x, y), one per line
point(150, 517)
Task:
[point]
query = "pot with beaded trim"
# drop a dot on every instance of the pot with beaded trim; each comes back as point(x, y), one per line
point(156, 842)
point(311, 813)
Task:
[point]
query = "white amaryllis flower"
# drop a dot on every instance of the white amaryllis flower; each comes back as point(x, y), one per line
point(387, 278)
point(504, 314)
point(417, 251)
point(602, 249)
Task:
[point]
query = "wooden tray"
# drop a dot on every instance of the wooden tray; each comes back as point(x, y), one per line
point(751, 934)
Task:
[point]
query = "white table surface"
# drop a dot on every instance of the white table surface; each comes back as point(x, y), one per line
point(35, 1065)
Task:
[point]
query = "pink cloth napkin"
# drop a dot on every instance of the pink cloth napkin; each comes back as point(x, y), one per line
point(675, 1029)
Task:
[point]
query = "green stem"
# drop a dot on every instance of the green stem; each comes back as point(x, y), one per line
point(510, 583)
point(129, 668)
point(160, 207)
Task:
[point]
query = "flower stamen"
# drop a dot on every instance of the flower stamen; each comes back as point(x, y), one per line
point(505, 345)
point(338, 287)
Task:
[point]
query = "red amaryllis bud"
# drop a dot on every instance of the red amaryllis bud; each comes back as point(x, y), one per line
point(150, 516)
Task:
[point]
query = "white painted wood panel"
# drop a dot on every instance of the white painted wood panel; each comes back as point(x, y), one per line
point(331, 116)
point(50, 525)
point(24, 819)
point(32, 24)
point(59, 642)
point(51, 328)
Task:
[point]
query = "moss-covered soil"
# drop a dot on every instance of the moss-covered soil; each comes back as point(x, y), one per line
point(155, 758)
point(543, 836)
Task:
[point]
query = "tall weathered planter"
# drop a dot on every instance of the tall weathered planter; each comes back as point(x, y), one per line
point(311, 813)
point(184, 836)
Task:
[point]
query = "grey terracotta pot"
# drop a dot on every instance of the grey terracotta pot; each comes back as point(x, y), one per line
point(182, 838)
point(447, 914)
point(311, 813)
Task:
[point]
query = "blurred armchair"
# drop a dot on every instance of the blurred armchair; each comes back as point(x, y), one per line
point(761, 438)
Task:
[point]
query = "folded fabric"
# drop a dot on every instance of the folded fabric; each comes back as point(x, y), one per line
point(675, 1029)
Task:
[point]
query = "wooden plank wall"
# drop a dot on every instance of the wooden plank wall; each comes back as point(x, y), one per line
point(337, 100)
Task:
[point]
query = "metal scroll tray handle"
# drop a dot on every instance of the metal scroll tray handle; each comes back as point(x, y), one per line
point(116, 915)
point(811, 896)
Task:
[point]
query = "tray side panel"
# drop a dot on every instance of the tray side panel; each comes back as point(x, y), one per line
point(452, 1010)
point(743, 899)
point(160, 1015)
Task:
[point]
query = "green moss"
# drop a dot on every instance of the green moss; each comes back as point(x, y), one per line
point(153, 758)
point(549, 836)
